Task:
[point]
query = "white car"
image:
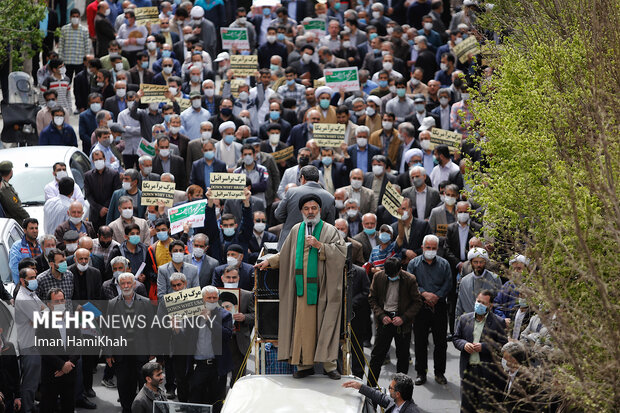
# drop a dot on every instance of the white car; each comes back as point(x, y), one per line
point(32, 170)
point(10, 232)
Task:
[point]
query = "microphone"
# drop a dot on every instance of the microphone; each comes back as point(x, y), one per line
point(309, 226)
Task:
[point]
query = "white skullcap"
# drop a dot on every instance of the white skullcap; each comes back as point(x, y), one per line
point(197, 11)
point(427, 123)
point(323, 89)
point(374, 99)
point(520, 258)
point(411, 153)
point(477, 252)
point(227, 125)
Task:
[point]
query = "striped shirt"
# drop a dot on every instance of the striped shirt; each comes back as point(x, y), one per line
point(62, 87)
point(378, 255)
point(298, 93)
point(74, 44)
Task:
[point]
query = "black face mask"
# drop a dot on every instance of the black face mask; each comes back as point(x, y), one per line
point(105, 244)
point(303, 161)
point(226, 111)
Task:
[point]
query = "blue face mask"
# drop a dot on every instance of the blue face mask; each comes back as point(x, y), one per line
point(62, 267)
point(362, 21)
point(166, 53)
point(370, 231)
point(145, 65)
point(162, 235)
point(152, 216)
point(229, 139)
point(336, 6)
point(383, 83)
point(274, 115)
point(273, 68)
point(384, 237)
point(167, 118)
point(134, 239)
point(280, 36)
point(33, 285)
point(229, 232)
point(327, 160)
point(290, 82)
point(394, 278)
point(266, 11)
point(245, 52)
point(209, 155)
point(480, 308)
point(372, 35)
point(411, 42)
point(324, 103)
point(400, 92)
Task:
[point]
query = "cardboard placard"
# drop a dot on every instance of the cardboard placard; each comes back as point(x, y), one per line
point(146, 148)
point(192, 213)
point(185, 303)
point(244, 65)
point(184, 103)
point(234, 37)
point(153, 93)
point(328, 134)
point(155, 191)
point(284, 154)
point(227, 186)
point(466, 47)
point(446, 137)
point(146, 15)
point(442, 230)
point(234, 86)
point(392, 200)
point(345, 78)
point(316, 26)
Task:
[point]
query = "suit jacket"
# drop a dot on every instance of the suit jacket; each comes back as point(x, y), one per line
point(298, 137)
point(222, 321)
point(357, 253)
point(53, 358)
point(194, 153)
point(246, 276)
point(246, 306)
point(177, 168)
point(105, 34)
point(492, 339)
point(140, 341)
point(419, 229)
point(432, 200)
point(183, 142)
point(387, 402)
point(166, 271)
point(255, 247)
point(368, 178)
point(118, 230)
point(362, 238)
point(438, 217)
point(109, 291)
point(197, 175)
point(66, 226)
point(92, 276)
point(436, 113)
point(409, 298)
point(113, 213)
point(368, 203)
point(235, 207)
point(81, 89)
point(372, 151)
point(93, 193)
point(111, 104)
point(206, 269)
point(288, 209)
point(453, 248)
point(134, 76)
point(340, 172)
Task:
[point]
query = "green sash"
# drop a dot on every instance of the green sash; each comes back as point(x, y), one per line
point(313, 262)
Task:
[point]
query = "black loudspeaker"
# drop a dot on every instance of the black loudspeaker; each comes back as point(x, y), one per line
point(267, 284)
point(267, 312)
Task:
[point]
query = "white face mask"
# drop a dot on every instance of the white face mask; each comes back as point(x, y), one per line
point(206, 134)
point(99, 164)
point(271, 38)
point(248, 159)
point(351, 213)
point(232, 261)
point(370, 112)
point(59, 308)
point(444, 67)
point(462, 217)
point(444, 101)
point(211, 306)
point(274, 138)
point(339, 203)
point(306, 58)
point(243, 96)
point(231, 285)
point(75, 21)
point(428, 26)
point(209, 92)
point(356, 184)
point(173, 90)
point(81, 267)
point(346, 44)
point(361, 142)
point(75, 220)
point(127, 213)
point(164, 152)
point(196, 103)
point(198, 252)
point(425, 144)
point(175, 129)
point(153, 106)
point(151, 45)
point(449, 200)
point(121, 93)
point(71, 247)
point(387, 125)
point(126, 186)
point(387, 66)
point(177, 257)
point(58, 121)
point(430, 254)
point(118, 67)
point(342, 234)
point(61, 174)
point(377, 170)
point(405, 216)
point(376, 14)
point(259, 227)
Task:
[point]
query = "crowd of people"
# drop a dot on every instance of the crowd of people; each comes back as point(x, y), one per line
point(424, 270)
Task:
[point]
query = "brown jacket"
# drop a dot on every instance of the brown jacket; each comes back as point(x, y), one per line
point(409, 299)
point(393, 147)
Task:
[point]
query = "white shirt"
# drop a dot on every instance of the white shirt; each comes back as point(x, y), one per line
point(420, 202)
point(442, 173)
point(55, 212)
point(264, 109)
point(516, 331)
point(51, 191)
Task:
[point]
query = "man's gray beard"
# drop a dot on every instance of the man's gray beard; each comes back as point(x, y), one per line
point(313, 221)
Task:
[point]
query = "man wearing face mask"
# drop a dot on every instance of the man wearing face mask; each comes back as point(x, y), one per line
point(302, 133)
point(75, 222)
point(178, 264)
point(479, 336)
point(117, 103)
point(135, 251)
point(147, 117)
point(58, 276)
point(111, 288)
point(257, 174)
point(225, 115)
point(58, 132)
point(104, 145)
point(395, 301)
point(202, 168)
point(234, 261)
point(460, 113)
point(445, 170)
point(194, 116)
point(270, 48)
point(166, 162)
point(199, 258)
point(434, 278)
point(129, 188)
point(423, 197)
point(242, 22)
point(141, 73)
point(334, 173)
point(260, 235)
point(444, 214)
point(126, 217)
point(387, 138)
point(227, 150)
point(365, 197)
point(479, 279)
point(378, 178)
point(104, 30)
point(442, 112)
point(99, 184)
point(103, 245)
point(415, 230)
point(55, 209)
point(305, 67)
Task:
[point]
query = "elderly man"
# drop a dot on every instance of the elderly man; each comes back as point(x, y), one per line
point(315, 255)
point(444, 214)
point(111, 288)
point(227, 150)
point(207, 164)
point(423, 197)
point(476, 281)
point(145, 163)
point(343, 229)
point(76, 222)
point(361, 152)
point(434, 278)
point(125, 209)
point(129, 188)
point(177, 265)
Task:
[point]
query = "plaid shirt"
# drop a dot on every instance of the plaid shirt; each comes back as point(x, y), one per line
point(74, 44)
point(104, 252)
point(47, 281)
point(299, 93)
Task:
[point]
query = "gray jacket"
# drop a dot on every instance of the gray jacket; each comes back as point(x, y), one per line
point(467, 296)
point(166, 270)
point(206, 269)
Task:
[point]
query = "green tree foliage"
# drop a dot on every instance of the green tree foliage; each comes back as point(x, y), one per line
point(19, 29)
point(550, 118)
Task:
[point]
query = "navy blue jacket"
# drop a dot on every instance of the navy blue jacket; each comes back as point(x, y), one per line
point(298, 137)
point(87, 125)
point(52, 136)
point(221, 322)
point(340, 172)
point(197, 175)
point(372, 151)
point(266, 50)
point(219, 243)
point(246, 276)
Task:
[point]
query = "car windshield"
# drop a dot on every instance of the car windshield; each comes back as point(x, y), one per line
point(29, 184)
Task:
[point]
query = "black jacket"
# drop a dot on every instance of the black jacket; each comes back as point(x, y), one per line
point(419, 229)
point(177, 168)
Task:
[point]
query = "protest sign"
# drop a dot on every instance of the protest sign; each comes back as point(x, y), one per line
point(234, 86)
point(328, 134)
point(244, 65)
point(192, 213)
point(442, 230)
point(316, 26)
point(343, 78)
point(184, 103)
point(153, 93)
point(392, 200)
point(284, 154)
point(227, 186)
point(467, 47)
point(445, 137)
point(154, 191)
point(146, 15)
point(146, 148)
point(234, 37)
point(185, 303)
